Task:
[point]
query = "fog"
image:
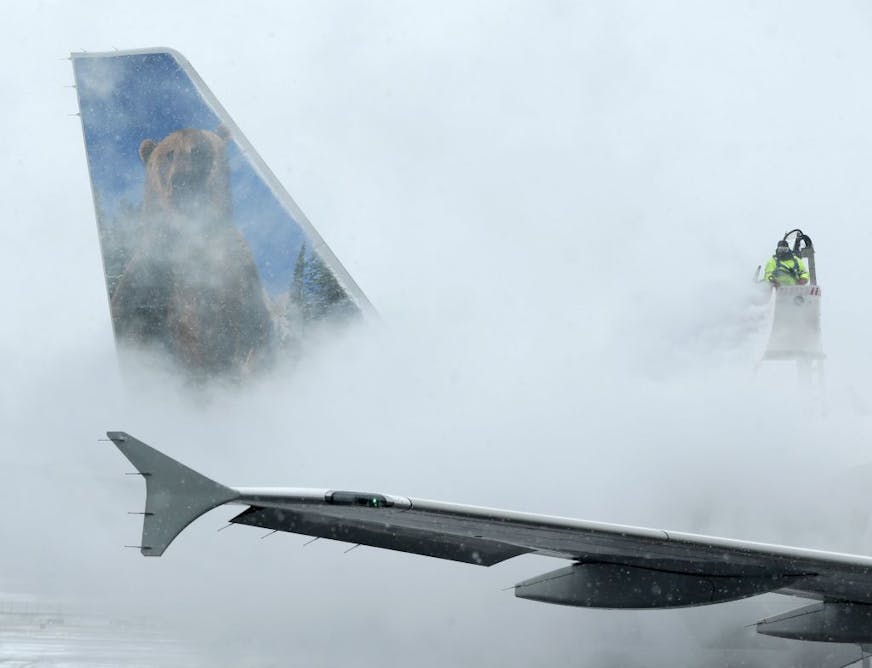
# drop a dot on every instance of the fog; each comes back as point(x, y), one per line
point(556, 209)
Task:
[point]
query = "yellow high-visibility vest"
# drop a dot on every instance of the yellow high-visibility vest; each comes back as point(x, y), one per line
point(786, 272)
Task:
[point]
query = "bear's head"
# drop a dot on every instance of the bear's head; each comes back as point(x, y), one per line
point(187, 172)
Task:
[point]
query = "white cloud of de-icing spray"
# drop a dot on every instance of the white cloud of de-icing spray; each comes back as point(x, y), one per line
point(556, 208)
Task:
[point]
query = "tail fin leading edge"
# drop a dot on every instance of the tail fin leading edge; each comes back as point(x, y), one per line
point(175, 494)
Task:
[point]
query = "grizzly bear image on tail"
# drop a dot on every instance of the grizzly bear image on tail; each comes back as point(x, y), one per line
point(191, 287)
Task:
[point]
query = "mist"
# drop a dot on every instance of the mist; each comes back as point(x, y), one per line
point(556, 209)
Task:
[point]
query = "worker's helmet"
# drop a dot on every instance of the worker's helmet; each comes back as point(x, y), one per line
point(782, 250)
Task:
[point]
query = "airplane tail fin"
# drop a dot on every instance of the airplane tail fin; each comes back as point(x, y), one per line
point(175, 494)
point(190, 217)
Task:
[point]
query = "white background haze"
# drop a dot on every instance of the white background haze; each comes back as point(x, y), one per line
point(556, 208)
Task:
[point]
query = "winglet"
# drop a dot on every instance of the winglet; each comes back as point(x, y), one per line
point(175, 494)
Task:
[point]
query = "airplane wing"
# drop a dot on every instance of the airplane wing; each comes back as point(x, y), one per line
point(612, 566)
point(208, 260)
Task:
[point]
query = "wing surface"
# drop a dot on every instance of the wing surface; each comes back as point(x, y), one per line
point(487, 536)
point(608, 560)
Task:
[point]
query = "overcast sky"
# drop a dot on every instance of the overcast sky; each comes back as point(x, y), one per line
point(556, 208)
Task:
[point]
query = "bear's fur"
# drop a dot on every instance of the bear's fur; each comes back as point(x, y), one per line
point(192, 287)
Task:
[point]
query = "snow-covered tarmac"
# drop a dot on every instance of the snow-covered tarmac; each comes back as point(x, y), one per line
point(59, 640)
